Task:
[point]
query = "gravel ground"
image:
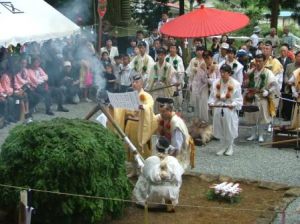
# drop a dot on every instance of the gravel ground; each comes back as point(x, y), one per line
point(249, 161)
point(292, 215)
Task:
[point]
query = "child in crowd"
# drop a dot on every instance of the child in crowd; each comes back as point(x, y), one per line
point(105, 60)
point(110, 78)
point(86, 80)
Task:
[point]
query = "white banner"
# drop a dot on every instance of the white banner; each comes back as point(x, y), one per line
point(127, 100)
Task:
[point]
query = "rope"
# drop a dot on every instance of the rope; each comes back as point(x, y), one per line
point(128, 201)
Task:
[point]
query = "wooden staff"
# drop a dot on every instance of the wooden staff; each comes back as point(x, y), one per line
point(139, 159)
point(280, 142)
point(160, 88)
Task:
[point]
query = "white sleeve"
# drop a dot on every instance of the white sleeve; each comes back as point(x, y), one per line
point(177, 139)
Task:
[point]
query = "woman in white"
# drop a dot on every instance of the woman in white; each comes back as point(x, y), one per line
point(226, 98)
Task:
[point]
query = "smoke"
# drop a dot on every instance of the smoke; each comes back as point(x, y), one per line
point(79, 11)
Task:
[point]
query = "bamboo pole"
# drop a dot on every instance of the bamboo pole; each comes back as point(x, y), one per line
point(280, 142)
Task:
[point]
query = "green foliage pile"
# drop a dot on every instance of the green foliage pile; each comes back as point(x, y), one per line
point(62, 155)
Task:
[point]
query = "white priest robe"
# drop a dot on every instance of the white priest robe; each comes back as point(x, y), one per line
point(159, 182)
point(225, 120)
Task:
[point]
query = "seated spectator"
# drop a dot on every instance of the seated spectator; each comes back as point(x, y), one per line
point(39, 80)
point(70, 83)
point(6, 98)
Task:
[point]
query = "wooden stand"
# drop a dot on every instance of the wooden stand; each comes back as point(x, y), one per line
point(280, 134)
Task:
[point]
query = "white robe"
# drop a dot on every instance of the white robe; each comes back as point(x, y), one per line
point(225, 124)
point(151, 187)
point(198, 83)
point(237, 71)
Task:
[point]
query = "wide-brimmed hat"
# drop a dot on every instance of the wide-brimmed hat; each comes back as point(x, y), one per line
point(256, 29)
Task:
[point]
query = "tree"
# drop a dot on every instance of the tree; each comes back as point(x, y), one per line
point(148, 13)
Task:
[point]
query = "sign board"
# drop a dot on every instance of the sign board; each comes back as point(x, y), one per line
point(102, 7)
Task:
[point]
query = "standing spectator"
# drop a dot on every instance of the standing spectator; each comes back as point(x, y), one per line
point(221, 56)
point(105, 60)
point(273, 38)
point(154, 36)
point(164, 19)
point(125, 74)
point(215, 45)
point(255, 36)
point(154, 48)
point(117, 66)
point(140, 37)
point(86, 80)
point(110, 78)
point(288, 38)
point(111, 50)
point(130, 50)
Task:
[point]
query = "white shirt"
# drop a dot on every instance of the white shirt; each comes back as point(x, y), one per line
point(125, 75)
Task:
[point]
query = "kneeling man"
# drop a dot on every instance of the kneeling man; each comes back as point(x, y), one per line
point(160, 180)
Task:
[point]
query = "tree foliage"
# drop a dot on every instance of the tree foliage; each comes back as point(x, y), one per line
point(148, 13)
point(62, 155)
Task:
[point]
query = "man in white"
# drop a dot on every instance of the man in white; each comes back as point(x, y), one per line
point(160, 180)
point(236, 67)
point(227, 98)
point(172, 127)
point(261, 88)
point(176, 61)
point(221, 56)
point(164, 20)
point(254, 37)
point(111, 50)
point(125, 75)
point(162, 75)
point(142, 63)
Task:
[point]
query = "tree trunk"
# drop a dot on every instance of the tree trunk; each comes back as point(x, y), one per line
point(181, 7)
point(274, 13)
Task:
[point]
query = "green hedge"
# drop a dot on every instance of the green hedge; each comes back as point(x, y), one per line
point(73, 156)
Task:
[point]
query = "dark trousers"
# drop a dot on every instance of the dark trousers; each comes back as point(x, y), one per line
point(41, 92)
point(287, 107)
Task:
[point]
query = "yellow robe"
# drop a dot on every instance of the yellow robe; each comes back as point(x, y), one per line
point(138, 125)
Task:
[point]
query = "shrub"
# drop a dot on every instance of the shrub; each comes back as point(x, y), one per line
point(73, 156)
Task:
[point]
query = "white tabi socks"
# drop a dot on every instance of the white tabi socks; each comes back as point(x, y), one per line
point(224, 144)
point(229, 151)
point(253, 134)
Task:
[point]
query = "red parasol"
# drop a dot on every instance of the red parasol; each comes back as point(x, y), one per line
point(205, 22)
